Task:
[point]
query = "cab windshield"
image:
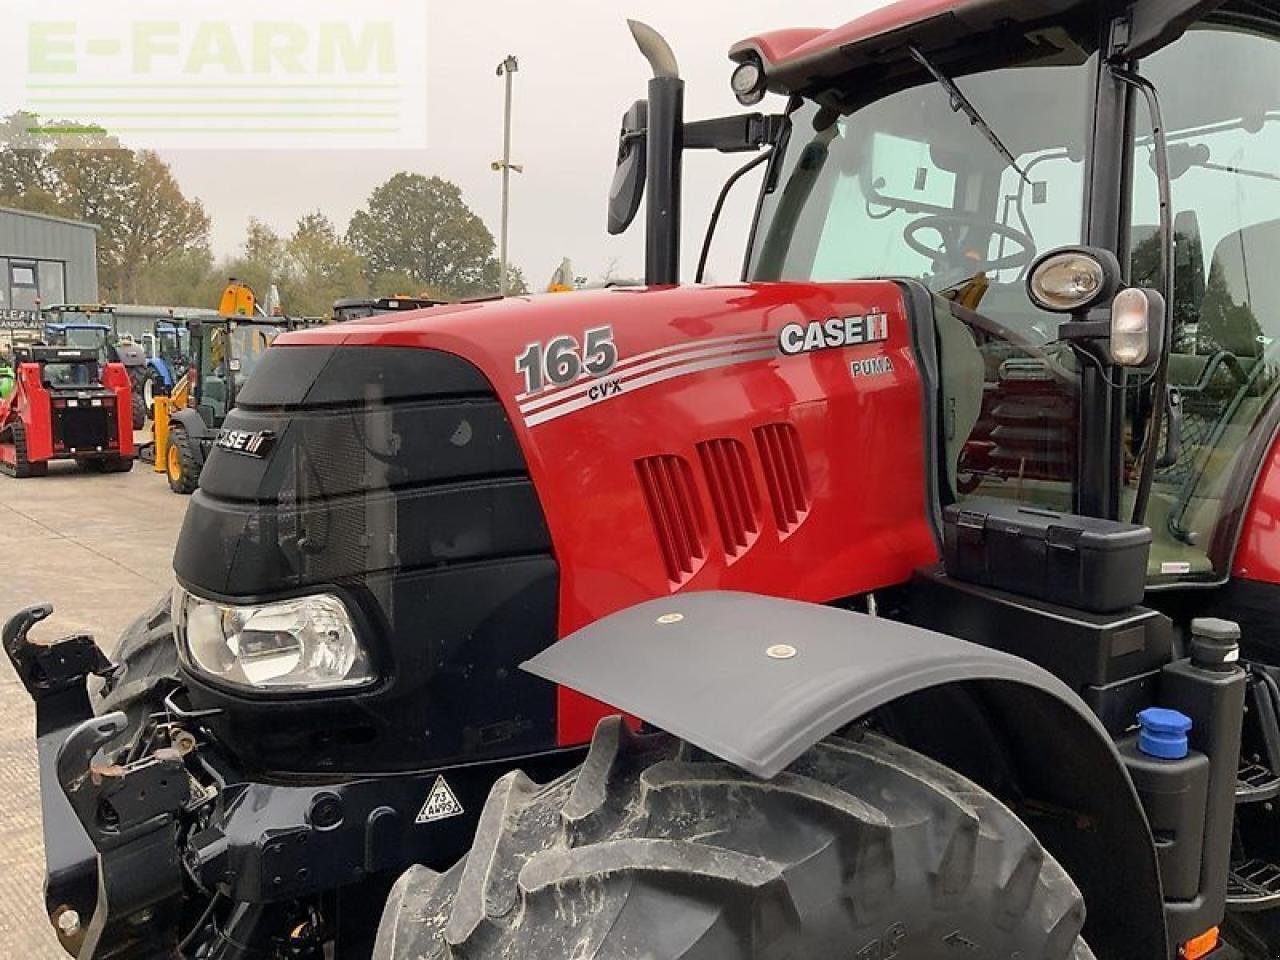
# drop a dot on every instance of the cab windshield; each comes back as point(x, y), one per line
point(92, 337)
point(907, 187)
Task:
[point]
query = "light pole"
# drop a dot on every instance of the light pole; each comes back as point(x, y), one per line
point(506, 69)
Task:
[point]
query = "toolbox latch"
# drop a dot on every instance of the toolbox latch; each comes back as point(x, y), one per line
point(1063, 538)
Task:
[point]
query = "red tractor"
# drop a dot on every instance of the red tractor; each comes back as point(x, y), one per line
point(65, 405)
point(915, 597)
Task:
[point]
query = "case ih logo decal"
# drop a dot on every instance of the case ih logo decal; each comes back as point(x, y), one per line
point(252, 443)
point(828, 334)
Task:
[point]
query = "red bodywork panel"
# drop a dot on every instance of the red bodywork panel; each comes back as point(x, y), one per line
point(1258, 553)
point(31, 403)
point(706, 458)
point(777, 47)
point(801, 60)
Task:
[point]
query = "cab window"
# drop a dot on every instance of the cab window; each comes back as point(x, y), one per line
point(1224, 152)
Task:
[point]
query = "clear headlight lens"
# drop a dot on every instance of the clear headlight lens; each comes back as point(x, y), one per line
point(308, 643)
point(1066, 282)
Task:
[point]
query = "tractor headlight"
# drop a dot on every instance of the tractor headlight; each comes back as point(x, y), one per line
point(308, 643)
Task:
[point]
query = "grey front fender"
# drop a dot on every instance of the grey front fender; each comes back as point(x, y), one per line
point(758, 680)
point(700, 666)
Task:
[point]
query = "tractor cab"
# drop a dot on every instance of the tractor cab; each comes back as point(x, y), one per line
point(170, 340)
point(962, 165)
point(98, 326)
point(168, 346)
point(87, 336)
point(224, 352)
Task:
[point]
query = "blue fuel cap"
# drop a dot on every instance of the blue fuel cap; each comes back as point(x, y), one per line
point(1163, 733)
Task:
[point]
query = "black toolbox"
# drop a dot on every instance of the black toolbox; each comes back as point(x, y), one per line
point(1082, 562)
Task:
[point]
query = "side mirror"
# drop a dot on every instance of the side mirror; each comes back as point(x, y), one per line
point(627, 189)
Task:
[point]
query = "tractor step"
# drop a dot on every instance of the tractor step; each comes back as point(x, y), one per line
point(1256, 783)
point(1253, 885)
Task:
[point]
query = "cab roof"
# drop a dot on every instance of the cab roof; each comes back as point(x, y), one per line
point(871, 52)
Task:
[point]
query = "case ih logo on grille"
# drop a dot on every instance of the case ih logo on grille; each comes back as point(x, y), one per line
point(835, 332)
point(253, 443)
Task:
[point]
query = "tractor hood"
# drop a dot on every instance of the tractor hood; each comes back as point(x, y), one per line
point(618, 398)
point(480, 480)
point(870, 55)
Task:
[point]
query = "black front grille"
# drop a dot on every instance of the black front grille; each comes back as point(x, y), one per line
point(393, 478)
point(84, 428)
point(375, 465)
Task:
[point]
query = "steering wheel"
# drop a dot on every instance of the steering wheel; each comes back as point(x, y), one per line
point(951, 250)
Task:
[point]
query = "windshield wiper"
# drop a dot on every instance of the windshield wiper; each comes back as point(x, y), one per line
point(960, 104)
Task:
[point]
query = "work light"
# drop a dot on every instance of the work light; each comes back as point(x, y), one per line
point(748, 82)
point(1069, 281)
point(307, 643)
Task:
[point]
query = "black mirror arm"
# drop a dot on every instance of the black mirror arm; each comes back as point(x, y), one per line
point(736, 134)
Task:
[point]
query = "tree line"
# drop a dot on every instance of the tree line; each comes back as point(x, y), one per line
point(414, 236)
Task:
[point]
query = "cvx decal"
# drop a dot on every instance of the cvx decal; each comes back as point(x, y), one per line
point(796, 338)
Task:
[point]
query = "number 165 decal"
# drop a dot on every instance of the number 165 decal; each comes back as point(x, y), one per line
point(562, 360)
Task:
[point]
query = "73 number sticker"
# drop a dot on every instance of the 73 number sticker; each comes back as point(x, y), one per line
point(563, 359)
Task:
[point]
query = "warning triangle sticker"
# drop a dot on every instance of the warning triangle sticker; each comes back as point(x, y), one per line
point(441, 804)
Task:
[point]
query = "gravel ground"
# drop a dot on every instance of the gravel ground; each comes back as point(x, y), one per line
point(99, 548)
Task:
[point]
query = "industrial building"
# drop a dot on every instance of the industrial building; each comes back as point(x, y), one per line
point(44, 260)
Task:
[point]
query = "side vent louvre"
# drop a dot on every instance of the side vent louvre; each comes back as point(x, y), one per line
point(785, 473)
point(672, 499)
point(727, 470)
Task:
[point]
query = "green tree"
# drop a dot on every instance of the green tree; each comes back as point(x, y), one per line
point(322, 268)
point(262, 261)
point(144, 217)
point(179, 280)
point(421, 227)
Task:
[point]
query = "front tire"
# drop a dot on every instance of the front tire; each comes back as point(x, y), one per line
point(181, 465)
point(651, 849)
point(153, 386)
point(138, 405)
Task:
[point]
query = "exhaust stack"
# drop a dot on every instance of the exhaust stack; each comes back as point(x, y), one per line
point(664, 148)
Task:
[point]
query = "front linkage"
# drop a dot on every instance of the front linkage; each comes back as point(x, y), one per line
point(109, 827)
point(157, 844)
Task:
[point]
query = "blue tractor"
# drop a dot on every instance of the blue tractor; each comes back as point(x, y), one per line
point(168, 348)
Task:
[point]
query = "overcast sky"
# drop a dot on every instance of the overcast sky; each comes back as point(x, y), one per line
point(579, 69)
